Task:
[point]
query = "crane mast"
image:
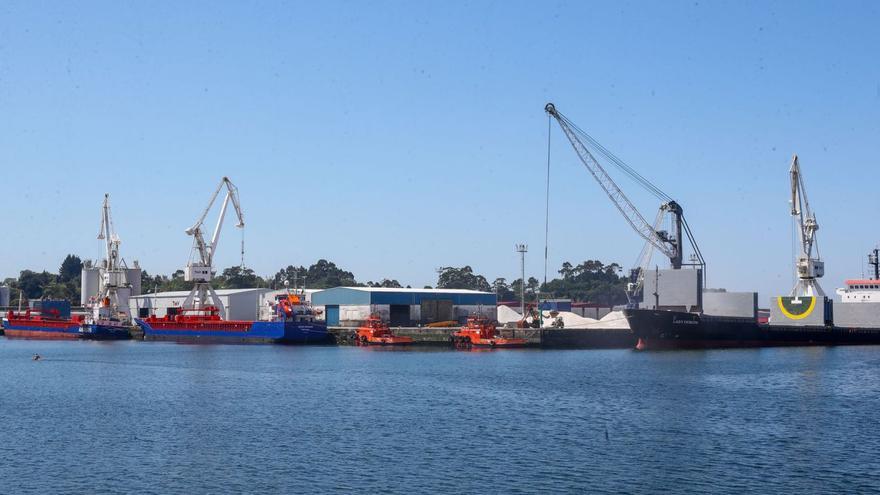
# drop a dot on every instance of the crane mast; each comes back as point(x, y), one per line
point(661, 240)
point(807, 267)
point(109, 303)
point(201, 265)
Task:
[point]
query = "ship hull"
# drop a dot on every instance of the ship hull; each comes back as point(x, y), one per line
point(24, 330)
point(98, 331)
point(658, 330)
point(256, 332)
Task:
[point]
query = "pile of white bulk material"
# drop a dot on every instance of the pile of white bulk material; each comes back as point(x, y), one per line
point(508, 315)
point(614, 319)
point(571, 320)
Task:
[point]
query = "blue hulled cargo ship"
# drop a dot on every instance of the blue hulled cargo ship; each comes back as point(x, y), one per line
point(289, 319)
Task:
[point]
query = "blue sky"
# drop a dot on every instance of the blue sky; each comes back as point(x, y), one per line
point(396, 137)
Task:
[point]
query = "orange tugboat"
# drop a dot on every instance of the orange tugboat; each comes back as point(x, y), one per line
point(375, 332)
point(480, 332)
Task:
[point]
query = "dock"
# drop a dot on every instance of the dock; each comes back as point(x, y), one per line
point(561, 338)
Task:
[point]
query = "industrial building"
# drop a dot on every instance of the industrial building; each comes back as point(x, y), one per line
point(240, 304)
point(349, 306)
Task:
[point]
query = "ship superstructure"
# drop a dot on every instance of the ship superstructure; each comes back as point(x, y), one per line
point(863, 290)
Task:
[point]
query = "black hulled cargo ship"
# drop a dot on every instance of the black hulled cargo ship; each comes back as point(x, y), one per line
point(662, 329)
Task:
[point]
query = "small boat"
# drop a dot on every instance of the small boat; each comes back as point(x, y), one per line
point(36, 325)
point(480, 332)
point(375, 332)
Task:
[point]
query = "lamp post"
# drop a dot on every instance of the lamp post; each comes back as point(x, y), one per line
point(522, 249)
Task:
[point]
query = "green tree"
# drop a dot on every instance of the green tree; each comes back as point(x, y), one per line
point(33, 283)
point(236, 277)
point(462, 278)
point(385, 283)
point(71, 268)
point(591, 281)
point(502, 290)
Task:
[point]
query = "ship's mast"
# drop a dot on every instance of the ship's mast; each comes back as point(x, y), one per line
point(807, 267)
point(874, 260)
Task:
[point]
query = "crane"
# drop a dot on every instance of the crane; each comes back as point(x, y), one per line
point(109, 303)
point(200, 270)
point(655, 238)
point(807, 268)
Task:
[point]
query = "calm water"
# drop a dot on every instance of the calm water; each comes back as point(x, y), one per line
point(168, 418)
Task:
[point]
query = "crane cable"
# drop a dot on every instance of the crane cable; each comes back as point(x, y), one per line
point(547, 203)
point(617, 162)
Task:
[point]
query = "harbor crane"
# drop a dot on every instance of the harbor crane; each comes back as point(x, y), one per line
point(200, 267)
point(109, 304)
point(655, 238)
point(807, 268)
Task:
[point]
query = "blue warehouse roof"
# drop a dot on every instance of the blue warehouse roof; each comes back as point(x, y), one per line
point(344, 296)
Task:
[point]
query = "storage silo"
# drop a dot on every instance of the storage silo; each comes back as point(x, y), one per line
point(133, 277)
point(91, 283)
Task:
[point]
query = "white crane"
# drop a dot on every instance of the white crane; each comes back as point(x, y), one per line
point(807, 268)
point(200, 270)
point(669, 245)
point(112, 298)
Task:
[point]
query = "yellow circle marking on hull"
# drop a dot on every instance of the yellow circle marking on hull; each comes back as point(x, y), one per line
point(793, 316)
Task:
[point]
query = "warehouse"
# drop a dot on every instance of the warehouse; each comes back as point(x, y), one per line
point(240, 304)
point(349, 306)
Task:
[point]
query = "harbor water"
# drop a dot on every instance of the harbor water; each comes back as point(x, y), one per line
point(111, 417)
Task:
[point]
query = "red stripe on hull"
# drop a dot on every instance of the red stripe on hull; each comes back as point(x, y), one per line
point(224, 326)
point(669, 345)
point(35, 322)
point(41, 334)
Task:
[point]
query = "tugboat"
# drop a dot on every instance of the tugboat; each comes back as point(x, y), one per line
point(109, 316)
point(375, 332)
point(480, 332)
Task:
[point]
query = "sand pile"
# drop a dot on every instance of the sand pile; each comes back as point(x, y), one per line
point(614, 319)
point(571, 320)
point(507, 315)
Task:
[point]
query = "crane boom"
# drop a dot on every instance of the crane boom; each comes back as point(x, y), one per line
point(206, 251)
point(201, 270)
point(671, 247)
point(807, 267)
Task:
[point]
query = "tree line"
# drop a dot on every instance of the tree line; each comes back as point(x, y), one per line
point(590, 281)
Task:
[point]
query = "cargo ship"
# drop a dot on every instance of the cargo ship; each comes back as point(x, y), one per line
point(202, 316)
point(663, 329)
point(290, 321)
point(686, 316)
point(49, 320)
